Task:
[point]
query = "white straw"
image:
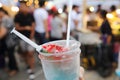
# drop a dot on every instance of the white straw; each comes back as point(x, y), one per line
point(37, 47)
point(69, 23)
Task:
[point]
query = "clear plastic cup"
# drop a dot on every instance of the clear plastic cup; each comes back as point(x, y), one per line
point(64, 65)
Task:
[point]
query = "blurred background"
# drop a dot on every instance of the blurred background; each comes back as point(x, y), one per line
point(94, 23)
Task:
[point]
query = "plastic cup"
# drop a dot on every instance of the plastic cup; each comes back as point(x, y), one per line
point(62, 65)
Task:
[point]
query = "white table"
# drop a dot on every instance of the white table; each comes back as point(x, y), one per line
point(87, 37)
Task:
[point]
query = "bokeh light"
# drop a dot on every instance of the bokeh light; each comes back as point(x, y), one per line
point(118, 11)
point(60, 10)
point(109, 16)
point(15, 0)
point(1, 5)
point(14, 8)
point(92, 9)
point(49, 5)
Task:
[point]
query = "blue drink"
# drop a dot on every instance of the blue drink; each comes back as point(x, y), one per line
point(66, 68)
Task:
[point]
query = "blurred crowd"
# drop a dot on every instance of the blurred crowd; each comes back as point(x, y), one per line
point(41, 25)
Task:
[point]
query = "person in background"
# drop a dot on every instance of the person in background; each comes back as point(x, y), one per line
point(41, 20)
point(99, 8)
point(3, 32)
point(7, 23)
point(107, 38)
point(106, 28)
point(113, 10)
point(90, 18)
point(64, 17)
point(25, 24)
point(56, 23)
point(115, 17)
point(74, 17)
point(105, 65)
point(79, 21)
point(98, 19)
point(50, 17)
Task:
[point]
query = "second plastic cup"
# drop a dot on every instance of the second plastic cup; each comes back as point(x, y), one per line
point(64, 65)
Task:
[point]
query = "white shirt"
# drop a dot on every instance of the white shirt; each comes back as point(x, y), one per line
point(64, 18)
point(79, 21)
point(40, 15)
point(56, 24)
point(74, 16)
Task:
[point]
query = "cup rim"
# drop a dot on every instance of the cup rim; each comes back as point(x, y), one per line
point(61, 53)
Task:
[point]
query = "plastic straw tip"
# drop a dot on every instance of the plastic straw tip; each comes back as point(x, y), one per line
point(12, 30)
point(39, 49)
